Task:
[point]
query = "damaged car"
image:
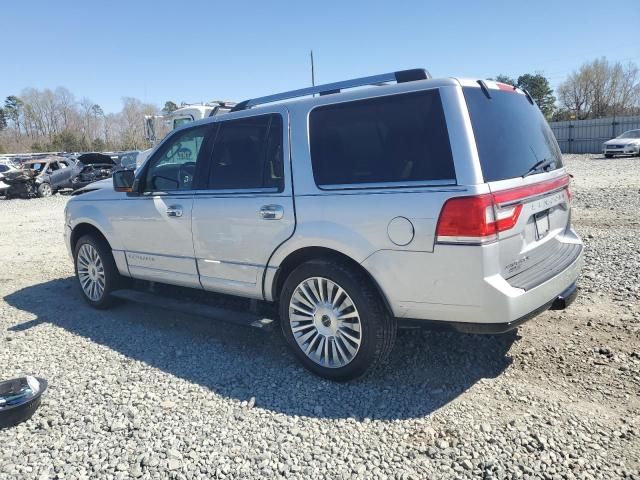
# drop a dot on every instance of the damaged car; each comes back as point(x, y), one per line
point(5, 167)
point(39, 178)
point(92, 167)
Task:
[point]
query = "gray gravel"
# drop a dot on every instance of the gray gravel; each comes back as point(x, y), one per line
point(140, 393)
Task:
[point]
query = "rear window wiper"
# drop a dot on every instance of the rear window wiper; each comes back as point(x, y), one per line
point(539, 165)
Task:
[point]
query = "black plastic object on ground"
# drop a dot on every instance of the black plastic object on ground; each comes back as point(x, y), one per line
point(19, 399)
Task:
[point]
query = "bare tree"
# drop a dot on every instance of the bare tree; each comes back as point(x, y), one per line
point(600, 88)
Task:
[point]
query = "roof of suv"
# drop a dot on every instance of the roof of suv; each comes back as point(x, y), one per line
point(354, 89)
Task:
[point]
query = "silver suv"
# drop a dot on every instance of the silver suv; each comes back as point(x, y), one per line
point(409, 201)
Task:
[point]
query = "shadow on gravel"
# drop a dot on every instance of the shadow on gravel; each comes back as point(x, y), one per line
point(426, 370)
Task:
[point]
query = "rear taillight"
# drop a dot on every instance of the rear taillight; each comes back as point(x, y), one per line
point(475, 219)
point(480, 218)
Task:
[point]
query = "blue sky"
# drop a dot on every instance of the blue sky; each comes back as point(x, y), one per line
point(202, 50)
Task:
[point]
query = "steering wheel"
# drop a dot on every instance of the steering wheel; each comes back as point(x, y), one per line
point(177, 146)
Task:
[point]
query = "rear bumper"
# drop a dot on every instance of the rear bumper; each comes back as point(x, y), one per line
point(452, 285)
point(561, 302)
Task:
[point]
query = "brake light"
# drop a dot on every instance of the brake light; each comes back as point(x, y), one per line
point(480, 218)
point(474, 219)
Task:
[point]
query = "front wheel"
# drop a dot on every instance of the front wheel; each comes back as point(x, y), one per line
point(96, 271)
point(608, 155)
point(45, 190)
point(334, 320)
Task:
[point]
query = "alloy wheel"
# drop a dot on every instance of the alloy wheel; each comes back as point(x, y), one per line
point(91, 272)
point(325, 322)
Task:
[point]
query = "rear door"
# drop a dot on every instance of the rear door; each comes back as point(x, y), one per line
point(246, 209)
point(522, 164)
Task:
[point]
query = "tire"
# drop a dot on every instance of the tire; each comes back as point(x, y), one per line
point(331, 354)
point(608, 155)
point(44, 190)
point(87, 249)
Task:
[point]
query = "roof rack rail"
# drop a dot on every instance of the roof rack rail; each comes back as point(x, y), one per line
point(401, 76)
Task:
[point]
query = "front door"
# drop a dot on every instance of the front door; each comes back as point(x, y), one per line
point(246, 209)
point(155, 227)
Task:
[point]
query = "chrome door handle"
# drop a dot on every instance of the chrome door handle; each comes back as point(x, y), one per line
point(271, 212)
point(174, 211)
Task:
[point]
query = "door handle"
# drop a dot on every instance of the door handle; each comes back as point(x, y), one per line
point(271, 212)
point(174, 211)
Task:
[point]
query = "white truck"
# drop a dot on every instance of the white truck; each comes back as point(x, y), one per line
point(157, 126)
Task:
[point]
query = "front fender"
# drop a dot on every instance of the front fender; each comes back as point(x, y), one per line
point(85, 212)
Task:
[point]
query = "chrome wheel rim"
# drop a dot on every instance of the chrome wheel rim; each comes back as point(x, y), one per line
point(325, 322)
point(46, 190)
point(91, 272)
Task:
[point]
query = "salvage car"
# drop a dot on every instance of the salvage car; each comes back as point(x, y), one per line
point(412, 201)
point(627, 143)
point(40, 178)
point(5, 167)
point(91, 168)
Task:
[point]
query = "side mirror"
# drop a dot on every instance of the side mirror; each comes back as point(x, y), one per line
point(123, 180)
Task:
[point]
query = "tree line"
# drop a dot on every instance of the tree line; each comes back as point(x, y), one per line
point(54, 120)
point(597, 89)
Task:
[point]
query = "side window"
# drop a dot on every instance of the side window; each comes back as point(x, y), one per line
point(175, 165)
point(247, 153)
point(397, 138)
point(53, 166)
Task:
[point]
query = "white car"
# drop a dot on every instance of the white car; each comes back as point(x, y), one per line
point(627, 143)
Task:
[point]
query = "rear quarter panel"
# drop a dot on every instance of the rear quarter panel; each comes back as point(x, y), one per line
point(355, 222)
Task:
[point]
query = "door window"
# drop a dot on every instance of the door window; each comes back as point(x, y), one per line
point(175, 165)
point(247, 154)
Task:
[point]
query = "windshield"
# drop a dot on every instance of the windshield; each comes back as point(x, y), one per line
point(511, 134)
point(35, 166)
point(630, 134)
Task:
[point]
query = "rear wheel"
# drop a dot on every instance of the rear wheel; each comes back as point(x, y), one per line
point(608, 155)
point(96, 271)
point(334, 320)
point(45, 190)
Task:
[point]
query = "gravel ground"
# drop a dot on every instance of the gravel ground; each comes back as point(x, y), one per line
point(141, 393)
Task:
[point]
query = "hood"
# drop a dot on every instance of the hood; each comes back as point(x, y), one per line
point(96, 158)
point(622, 141)
point(19, 176)
point(106, 184)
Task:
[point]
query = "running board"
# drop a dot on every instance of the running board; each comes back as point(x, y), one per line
point(194, 308)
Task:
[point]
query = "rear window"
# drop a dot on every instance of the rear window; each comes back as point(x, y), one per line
point(511, 134)
point(398, 138)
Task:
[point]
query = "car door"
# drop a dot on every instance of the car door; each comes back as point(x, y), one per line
point(246, 209)
point(63, 174)
point(155, 226)
point(54, 174)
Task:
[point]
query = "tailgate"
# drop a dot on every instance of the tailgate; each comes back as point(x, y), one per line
point(535, 249)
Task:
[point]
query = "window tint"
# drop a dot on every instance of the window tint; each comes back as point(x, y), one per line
point(4, 168)
point(247, 153)
point(511, 134)
point(175, 165)
point(399, 138)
